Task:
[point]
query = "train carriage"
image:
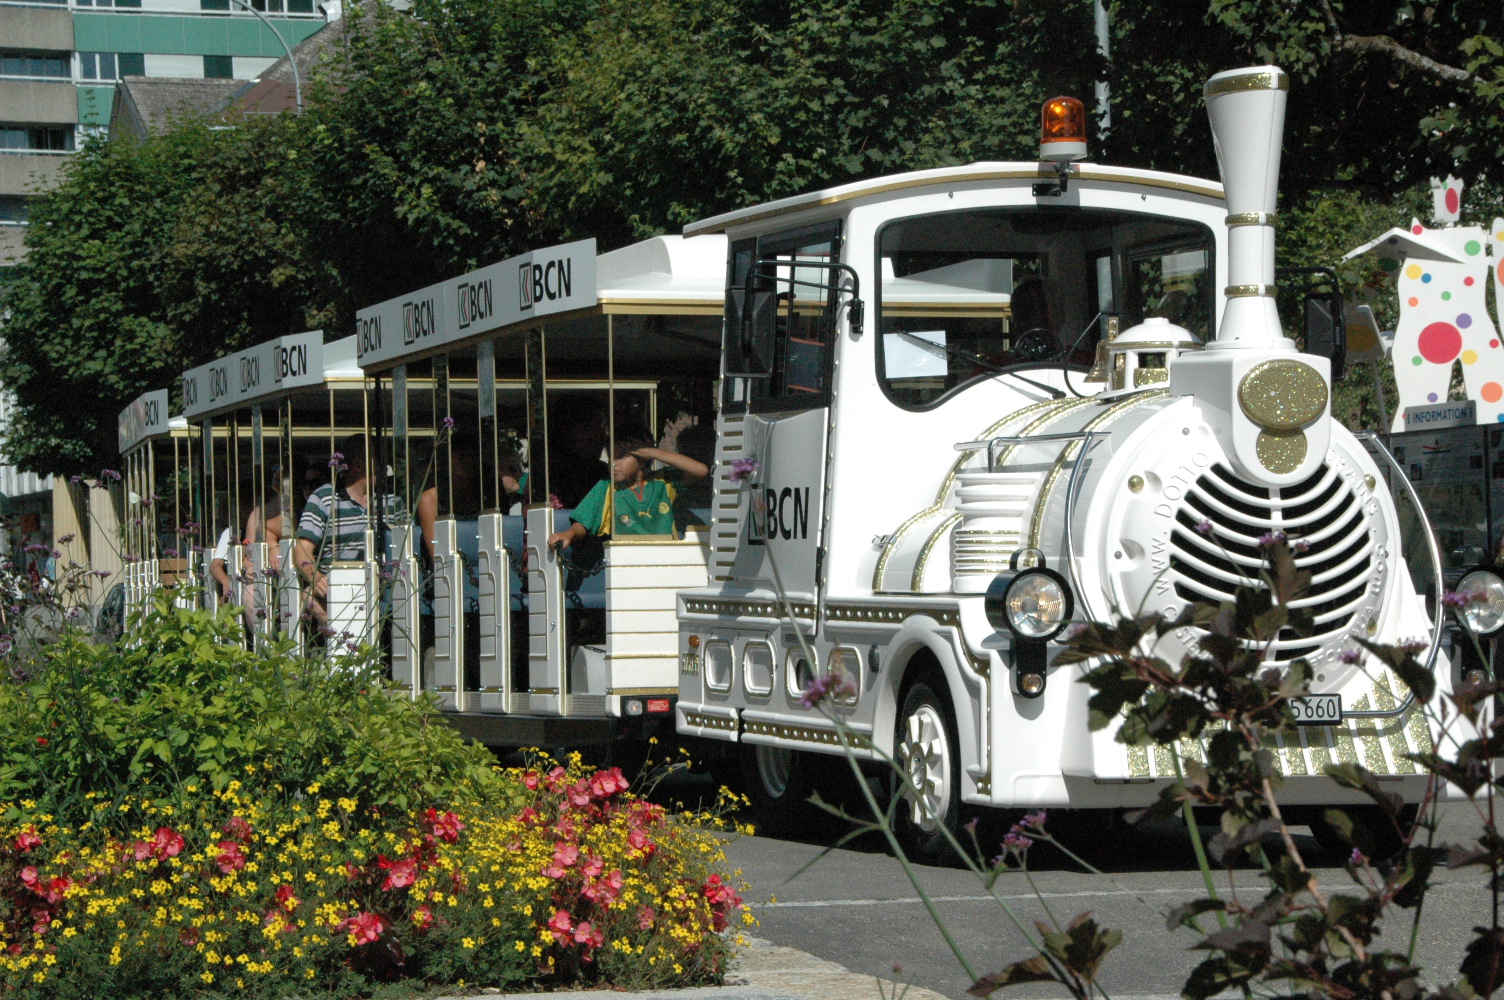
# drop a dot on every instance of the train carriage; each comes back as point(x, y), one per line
point(159, 504)
point(501, 392)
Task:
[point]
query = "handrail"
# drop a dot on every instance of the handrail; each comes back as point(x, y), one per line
point(1435, 552)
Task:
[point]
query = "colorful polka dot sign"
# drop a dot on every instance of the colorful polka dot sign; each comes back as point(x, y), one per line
point(1444, 320)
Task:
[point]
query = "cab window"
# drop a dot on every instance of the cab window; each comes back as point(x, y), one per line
point(964, 294)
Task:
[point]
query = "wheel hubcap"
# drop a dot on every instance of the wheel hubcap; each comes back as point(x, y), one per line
point(774, 766)
point(927, 764)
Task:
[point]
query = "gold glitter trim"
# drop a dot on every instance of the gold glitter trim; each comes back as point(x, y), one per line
point(1250, 291)
point(1138, 762)
point(709, 722)
point(1281, 453)
point(745, 609)
point(1150, 376)
point(1398, 748)
point(1282, 395)
point(1067, 453)
point(1057, 407)
point(1252, 219)
point(1241, 84)
point(916, 582)
point(1321, 754)
point(1295, 757)
point(804, 734)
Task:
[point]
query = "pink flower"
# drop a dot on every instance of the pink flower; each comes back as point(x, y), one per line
point(555, 777)
point(646, 916)
point(561, 923)
point(605, 784)
point(142, 850)
point(528, 816)
point(588, 936)
point(29, 877)
point(27, 839)
point(592, 867)
point(566, 854)
point(400, 873)
point(238, 829)
point(55, 887)
point(423, 915)
point(166, 844)
point(719, 893)
point(286, 897)
point(565, 828)
point(365, 927)
point(446, 826)
point(230, 858)
point(530, 779)
point(579, 794)
point(639, 842)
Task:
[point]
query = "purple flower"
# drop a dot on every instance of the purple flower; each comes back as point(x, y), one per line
point(742, 469)
point(1013, 843)
point(75, 479)
point(448, 423)
point(1034, 820)
point(1411, 645)
point(831, 685)
point(110, 476)
point(1204, 528)
point(337, 461)
point(1351, 656)
point(1357, 858)
point(66, 538)
point(1271, 537)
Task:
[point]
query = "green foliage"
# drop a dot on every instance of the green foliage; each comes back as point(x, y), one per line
point(182, 702)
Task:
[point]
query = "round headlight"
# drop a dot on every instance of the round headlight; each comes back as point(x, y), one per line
point(1035, 604)
point(1484, 610)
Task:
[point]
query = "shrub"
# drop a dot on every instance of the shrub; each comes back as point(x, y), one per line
point(182, 701)
point(227, 893)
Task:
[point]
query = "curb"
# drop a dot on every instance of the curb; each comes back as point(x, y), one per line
point(767, 971)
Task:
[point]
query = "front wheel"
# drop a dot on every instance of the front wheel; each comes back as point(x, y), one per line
point(779, 782)
point(929, 765)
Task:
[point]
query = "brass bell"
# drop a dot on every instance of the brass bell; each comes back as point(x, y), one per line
point(1102, 363)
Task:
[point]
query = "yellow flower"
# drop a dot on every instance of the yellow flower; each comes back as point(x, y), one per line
point(207, 977)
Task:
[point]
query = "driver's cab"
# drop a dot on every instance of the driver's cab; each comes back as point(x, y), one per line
point(158, 503)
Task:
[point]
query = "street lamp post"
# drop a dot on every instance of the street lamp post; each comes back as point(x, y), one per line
point(297, 84)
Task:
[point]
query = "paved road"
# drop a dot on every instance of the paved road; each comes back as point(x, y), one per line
point(856, 906)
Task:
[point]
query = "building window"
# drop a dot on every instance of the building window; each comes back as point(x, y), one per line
point(15, 209)
point(214, 5)
point(36, 138)
point(219, 68)
point(131, 64)
point(16, 64)
point(98, 66)
point(131, 4)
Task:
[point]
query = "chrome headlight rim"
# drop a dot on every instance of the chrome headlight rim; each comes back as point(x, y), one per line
point(997, 602)
point(1475, 615)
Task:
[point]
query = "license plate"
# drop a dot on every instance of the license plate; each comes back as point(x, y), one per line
point(1317, 709)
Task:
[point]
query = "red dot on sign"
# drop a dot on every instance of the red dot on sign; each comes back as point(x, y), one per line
point(1468, 282)
point(1451, 199)
point(1440, 343)
point(1417, 230)
point(1500, 267)
point(1493, 343)
point(1491, 392)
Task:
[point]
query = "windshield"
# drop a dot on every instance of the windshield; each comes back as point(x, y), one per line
point(964, 293)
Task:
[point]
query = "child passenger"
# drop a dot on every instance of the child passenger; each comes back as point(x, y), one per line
point(631, 504)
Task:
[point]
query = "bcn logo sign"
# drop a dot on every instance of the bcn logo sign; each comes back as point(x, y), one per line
point(538, 283)
point(473, 302)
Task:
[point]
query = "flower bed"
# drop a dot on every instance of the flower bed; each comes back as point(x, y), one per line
point(318, 896)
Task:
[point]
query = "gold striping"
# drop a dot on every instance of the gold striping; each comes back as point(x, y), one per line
point(1295, 758)
point(916, 584)
point(1252, 219)
point(1420, 731)
point(1138, 762)
point(1164, 761)
point(1149, 376)
point(1245, 82)
point(1282, 395)
point(1069, 451)
point(1249, 291)
point(1398, 748)
point(1346, 752)
point(703, 721)
point(945, 486)
point(804, 734)
point(745, 608)
point(1321, 753)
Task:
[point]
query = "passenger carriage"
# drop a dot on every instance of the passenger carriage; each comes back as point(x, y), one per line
point(159, 506)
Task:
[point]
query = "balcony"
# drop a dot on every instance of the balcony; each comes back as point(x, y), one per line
point(44, 29)
point(48, 103)
point(25, 172)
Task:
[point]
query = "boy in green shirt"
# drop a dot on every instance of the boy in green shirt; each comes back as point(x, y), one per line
point(631, 504)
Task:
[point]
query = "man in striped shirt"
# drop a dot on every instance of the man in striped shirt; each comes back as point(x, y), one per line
point(333, 525)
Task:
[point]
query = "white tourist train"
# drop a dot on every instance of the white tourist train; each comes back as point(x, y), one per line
point(917, 482)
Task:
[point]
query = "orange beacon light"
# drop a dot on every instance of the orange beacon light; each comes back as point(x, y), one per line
point(1062, 130)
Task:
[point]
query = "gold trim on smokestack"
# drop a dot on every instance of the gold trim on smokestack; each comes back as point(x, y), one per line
point(1252, 219)
point(1253, 81)
point(1249, 291)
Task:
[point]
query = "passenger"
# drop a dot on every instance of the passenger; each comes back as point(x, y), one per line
point(273, 538)
point(333, 525)
point(219, 567)
point(631, 504)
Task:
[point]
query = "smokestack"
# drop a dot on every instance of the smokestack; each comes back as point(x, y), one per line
point(1247, 112)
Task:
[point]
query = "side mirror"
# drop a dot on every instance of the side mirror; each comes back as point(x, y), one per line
point(751, 328)
point(1326, 329)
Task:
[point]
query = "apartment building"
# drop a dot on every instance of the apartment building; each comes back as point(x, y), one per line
point(60, 62)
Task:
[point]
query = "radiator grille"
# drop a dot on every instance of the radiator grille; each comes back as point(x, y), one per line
point(1321, 517)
